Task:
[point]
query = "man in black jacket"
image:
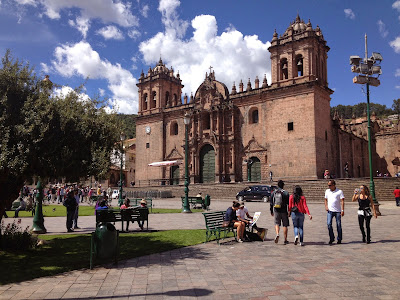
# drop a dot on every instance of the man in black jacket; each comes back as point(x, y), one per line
point(70, 204)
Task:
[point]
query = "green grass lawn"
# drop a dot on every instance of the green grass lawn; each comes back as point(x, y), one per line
point(70, 252)
point(60, 211)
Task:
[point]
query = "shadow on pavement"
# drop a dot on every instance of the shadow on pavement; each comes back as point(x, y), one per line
point(183, 293)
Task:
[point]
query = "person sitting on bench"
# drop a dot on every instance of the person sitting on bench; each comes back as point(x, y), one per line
point(231, 220)
point(22, 206)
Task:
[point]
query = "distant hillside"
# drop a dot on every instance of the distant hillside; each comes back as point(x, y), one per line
point(128, 125)
point(360, 109)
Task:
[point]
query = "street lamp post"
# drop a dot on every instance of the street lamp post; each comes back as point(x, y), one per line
point(186, 207)
point(120, 201)
point(368, 67)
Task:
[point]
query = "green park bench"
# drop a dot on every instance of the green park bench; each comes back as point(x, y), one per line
point(194, 202)
point(136, 214)
point(122, 215)
point(215, 225)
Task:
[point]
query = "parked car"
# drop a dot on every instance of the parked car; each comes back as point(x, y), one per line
point(115, 194)
point(256, 192)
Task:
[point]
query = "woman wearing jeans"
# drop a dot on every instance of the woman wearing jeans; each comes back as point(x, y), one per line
point(298, 207)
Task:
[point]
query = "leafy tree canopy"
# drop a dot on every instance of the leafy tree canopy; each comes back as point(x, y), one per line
point(128, 125)
point(45, 135)
point(360, 109)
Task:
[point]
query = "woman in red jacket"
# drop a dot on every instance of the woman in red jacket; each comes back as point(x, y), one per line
point(298, 207)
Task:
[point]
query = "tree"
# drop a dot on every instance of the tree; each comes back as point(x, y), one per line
point(46, 135)
point(396, 107)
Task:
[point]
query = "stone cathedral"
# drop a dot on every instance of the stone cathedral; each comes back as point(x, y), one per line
point(283, 126)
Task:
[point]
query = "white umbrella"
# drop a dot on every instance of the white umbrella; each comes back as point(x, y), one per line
point(165, 163)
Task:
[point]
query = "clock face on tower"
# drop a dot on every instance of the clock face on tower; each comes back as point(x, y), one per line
point(148, 129)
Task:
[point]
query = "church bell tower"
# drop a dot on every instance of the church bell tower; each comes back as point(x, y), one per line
point(299, 55)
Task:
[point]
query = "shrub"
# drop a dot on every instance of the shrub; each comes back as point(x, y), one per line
point(14, 238)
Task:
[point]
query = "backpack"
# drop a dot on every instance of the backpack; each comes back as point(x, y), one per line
point(278, 198)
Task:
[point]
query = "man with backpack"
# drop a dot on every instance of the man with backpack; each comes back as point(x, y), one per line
point(279, 210)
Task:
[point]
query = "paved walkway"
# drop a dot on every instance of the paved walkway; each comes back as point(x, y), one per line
point(258, 270)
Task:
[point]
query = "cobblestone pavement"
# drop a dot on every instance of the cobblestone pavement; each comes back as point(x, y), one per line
point(258, 270)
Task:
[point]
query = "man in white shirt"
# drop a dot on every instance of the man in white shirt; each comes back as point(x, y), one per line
point(334, 205)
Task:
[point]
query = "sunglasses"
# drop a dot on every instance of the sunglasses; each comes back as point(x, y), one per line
point(331, 185)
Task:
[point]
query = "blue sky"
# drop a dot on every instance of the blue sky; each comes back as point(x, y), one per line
point(110, 42)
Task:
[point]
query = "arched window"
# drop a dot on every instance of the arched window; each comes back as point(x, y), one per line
point(284, 69)
point(167, 100)
point(299, 66)
point(154, 100)
point(145, 100)
point(253, 116)
point(174, 128)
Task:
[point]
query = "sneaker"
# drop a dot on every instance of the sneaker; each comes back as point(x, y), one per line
point(286, 242)
point(339, 242)
point(330, 242)
point(296, 239)
point(277, 239)
point(76, 227)
point(70, 230)
point(240, 241)
point(301, 244)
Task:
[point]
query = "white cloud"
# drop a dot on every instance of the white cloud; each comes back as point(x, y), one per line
point(232, 55)
point(349, 13)
point(81, 60)
point(397, 74)
point(26, 2)
point(102, 92)
point(111, 32)
point(134, 34)
point(82, 24)
point(145, 11)
point(108, 11)
point(397, 86)
point(395, 44)
point(382, 29)
point(65, 90)
point(173, 25)
point(396, 5)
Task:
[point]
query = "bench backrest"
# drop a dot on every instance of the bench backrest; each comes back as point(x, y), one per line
point(108, 215)
point(193, 199)
point(214, 219)
point(140, 213)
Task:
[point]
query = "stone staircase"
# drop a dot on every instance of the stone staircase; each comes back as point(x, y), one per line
point(314, 190)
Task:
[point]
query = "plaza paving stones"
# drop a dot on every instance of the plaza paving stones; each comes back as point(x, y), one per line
point(258, 270)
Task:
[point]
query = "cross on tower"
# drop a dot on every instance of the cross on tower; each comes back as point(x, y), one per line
point(210, 69)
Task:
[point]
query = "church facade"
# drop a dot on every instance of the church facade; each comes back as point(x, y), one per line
point(283, 127)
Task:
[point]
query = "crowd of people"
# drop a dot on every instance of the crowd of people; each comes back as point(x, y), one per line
point(283, 206)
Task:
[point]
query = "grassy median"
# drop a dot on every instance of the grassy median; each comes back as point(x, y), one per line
point(61, 253)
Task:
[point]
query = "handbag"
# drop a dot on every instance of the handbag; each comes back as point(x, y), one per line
point(294, 209)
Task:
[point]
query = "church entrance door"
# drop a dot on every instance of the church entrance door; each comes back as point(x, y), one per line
point(174, 175)
point(255, 169)
point(207, 164)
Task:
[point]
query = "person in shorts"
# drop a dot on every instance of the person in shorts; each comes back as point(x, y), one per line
point(279, 210)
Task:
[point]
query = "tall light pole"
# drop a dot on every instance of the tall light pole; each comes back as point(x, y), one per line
point(186, 207)
point(38, 219)
point(368, 68)
point(122, 137)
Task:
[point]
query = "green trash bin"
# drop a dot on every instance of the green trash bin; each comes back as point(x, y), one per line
point(207, 201)
point(104, 243)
